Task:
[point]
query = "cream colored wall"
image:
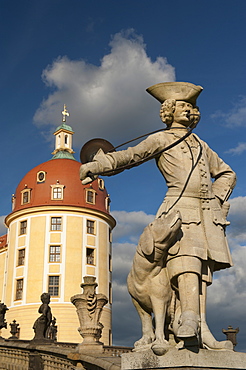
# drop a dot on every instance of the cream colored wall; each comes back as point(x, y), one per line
point(3, 255)
point(73, 269)
point(11, 264)
point(34, 283)
point(103, 259)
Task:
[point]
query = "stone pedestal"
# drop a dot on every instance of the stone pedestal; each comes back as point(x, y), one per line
point(184, 360)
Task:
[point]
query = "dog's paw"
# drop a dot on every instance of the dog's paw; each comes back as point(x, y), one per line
point(145, 340)
point(160, 347)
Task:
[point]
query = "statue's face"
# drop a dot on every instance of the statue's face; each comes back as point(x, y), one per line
point(180, 113)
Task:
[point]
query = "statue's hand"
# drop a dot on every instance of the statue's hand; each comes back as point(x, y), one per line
point(87, 170)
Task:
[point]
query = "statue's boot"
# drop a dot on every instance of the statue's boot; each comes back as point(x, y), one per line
point(189, 325)
point(209, 342)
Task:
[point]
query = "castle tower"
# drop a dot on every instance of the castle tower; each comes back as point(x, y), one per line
point(58, 231)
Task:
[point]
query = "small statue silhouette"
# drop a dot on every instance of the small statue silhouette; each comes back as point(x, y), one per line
point(52, 330)
point(42, 324)
point(15, 330)
point(3, 309)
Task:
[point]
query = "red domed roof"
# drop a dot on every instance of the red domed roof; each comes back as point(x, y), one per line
point(63, 173)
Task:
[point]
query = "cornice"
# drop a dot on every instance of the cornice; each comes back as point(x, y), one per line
point(60, 208)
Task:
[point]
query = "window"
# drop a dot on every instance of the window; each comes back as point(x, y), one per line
point(25, 196)
point(13, 201)
point(107, 203)
point(55, 253)
point(110, 263)
point(90, 196)
point(19, 289)
point(101, 184)
point(21, 257)
point(110, 293)
point(53, 288)
point(41, 176)
point(57, 192)
point(56, 223)
point(90, 225)
point(23, 227)
point(90, 259)
point(110, 235)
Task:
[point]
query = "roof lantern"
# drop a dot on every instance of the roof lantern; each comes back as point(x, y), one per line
point(64, 136)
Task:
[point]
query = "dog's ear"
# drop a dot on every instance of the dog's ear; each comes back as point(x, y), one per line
point(146, 241)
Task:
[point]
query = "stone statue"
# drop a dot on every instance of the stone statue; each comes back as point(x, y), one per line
point(42, 324)
point(52, 330)
point(3, 310)
point(89, 306)
point(183, 264)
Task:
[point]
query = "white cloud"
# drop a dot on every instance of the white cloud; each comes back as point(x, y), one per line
point(108, 100)
point(123, 254)
point(237, 217)
point(3, 229)
point(130, 224)
point(236, 116)
point(240, 148)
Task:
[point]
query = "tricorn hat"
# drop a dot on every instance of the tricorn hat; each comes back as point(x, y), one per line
point(184, 91)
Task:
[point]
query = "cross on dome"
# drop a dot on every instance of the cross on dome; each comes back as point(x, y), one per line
point(64, 113)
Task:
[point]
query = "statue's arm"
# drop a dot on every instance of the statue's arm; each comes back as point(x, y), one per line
point(112, 161)
point(224, 177)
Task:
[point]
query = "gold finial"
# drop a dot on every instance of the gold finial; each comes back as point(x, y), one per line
point(64, 113)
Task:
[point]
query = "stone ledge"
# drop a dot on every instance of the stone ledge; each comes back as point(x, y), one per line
point(184, 359)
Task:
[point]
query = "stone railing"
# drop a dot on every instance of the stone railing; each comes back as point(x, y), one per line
point(116, 351)
point(24, 355)
point(14, 358)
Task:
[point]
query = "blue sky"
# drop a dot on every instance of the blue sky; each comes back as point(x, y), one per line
point(98, 57)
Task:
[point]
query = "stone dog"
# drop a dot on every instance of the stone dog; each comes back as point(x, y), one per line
point(148, 282)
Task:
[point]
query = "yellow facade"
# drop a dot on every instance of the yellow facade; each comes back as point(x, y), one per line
point(36, 269)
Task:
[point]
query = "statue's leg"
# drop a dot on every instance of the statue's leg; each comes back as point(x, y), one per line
point(188, 285)
point(160, 345)
point(148, 334)
point(207, 338)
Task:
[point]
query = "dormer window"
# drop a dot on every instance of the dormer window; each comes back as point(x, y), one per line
point(90, 196)
point(25, 196)
point(13, 201)
point(101, 184)
point(57, 191)
point(41, 176)
point(107, 203)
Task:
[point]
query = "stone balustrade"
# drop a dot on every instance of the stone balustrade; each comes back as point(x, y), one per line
point(24, 355)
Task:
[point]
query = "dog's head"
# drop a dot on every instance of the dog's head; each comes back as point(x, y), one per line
point(160, 234)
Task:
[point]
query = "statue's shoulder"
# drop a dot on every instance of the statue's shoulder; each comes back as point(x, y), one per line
point(200, 140)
